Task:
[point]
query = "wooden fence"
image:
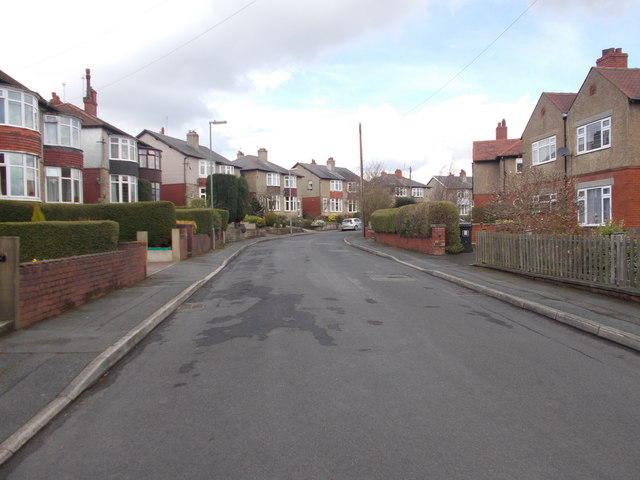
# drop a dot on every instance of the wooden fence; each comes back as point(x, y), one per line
point(594, 259)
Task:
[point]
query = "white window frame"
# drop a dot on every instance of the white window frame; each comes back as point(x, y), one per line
point(273, 180)
point(335, 205)
point(417, 192)
point(545, 145)
point(63, 131)
point(310, 185)
point(519, 165)
point(351, 187)
point(125, 149)
point(335, 185)
point(204, 168)
point(118, 182)
point(325, 204)
point(202, 192)
point(21, 104)
point(273, 203)
point(352, 206)
point(19, 176)
point(603, 206)
point(583, 134)
point(401, 191)
point(60, 181)
point(226, 169)
point(290, 181)
point(291, 204)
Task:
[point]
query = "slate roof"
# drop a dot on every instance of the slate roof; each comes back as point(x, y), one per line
point(488, 150)
point(323, 172)
point(626, 79)
point(88, 120)
point(252, 162)
point(453, 182)
point(562, 101)
point(391, 179)
point(187, 150)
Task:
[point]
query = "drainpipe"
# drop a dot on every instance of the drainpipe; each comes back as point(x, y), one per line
point(564, 121)
point(184, 181)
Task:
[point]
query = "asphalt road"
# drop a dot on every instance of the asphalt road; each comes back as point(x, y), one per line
point(307, 359)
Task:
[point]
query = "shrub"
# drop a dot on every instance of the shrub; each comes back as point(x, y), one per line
point(270, 219)
point(16, 211)
point(47, 240)
point(332, 218)
point(384, 220)
point(145, 193)
point(258, 221)
point(37, 215)
point(198, 203)
point(402, 201)
point(204, 218)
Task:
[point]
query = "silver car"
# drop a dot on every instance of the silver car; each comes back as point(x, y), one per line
point(351, 224)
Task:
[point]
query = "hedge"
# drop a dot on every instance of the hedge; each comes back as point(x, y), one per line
point(384, 220)
point(47, 240)
point(16, 211)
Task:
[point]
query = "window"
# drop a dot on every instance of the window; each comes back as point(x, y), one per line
point(155, 191)
point(543, 151)
point(351, 187)
point(124, 189)
point(123, 149)
point(19, 109)
point(463, 209)
point(325, 204)
point(273, 180)
point(335, 186)
point(19, 176)
point(401, 191)
point(226, 169)
point(61, 131)
point(204, 168)
point(149, 159)
point(273, 203)
point(290, 181)
point(335, 205)
point(291, 204)
point(63, 184)
point(594, 205)
point(202, 192)
point(594, 136)
point(352, 206)
point(417, 192)
point(519, 165)
point(310, 185)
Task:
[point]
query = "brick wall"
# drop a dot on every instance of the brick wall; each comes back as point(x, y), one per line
point(20, 140)
point(63, 157)
point(50, 287)
point(432, 246)
point(201, 243)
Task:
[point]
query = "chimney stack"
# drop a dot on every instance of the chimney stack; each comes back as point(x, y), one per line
point(263, 154)
point(55, 99)
point(331, 164)
point(313, 162)
point(193, 139)
point(501, 130)
point(463, 176)
point(91, 98)
point(161, 130)
point(398, 173)
point(612, 58)
point(239, 154)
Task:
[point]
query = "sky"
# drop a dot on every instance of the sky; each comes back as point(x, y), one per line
point(424, 78)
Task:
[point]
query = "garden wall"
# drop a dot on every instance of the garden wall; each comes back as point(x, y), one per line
point(432, 246)
point(50, 287)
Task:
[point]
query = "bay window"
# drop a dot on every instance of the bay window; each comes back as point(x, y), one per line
point(124, 188)
point(543, 151)
point(594, 136)
point(18, 108)
point(63, 131)
point(19, 176)
point(291, 204)
point(273, 203)
point(123, 149)
point(63, 184)
point(335, 205)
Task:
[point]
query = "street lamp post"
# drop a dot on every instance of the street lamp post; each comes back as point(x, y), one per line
point(212, 166)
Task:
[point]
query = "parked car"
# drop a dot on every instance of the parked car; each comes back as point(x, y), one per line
point(351, 224)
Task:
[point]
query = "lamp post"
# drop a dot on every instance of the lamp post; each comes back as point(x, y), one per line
point(212, 166)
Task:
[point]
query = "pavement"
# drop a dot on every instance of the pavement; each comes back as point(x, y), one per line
point(47, 366)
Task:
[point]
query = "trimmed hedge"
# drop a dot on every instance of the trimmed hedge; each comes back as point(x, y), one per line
point(384, 220)
point(157, 218)
point(47, 240)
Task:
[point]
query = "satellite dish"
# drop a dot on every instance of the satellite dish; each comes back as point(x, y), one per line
point(564, 152)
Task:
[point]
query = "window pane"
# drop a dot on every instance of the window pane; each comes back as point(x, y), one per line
point(15, 113)
point(52, 189)
point(594, 202)
point(66, 189)
point(17, 181)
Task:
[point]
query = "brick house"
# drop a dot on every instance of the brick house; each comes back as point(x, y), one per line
point(591, 138)
point(327, 189)
point(400, 186)
point(41, 158)
point(110, 172)
point(186, 165)
point(493, 161)
point(274, 186)
point(452, 188)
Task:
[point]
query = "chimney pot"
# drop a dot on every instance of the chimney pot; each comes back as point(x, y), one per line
point(612, 58)
point(501, 130)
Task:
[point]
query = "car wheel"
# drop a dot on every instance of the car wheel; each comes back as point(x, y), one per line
point(356, 227)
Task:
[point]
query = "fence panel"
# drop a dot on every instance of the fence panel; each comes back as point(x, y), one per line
point(602, 260)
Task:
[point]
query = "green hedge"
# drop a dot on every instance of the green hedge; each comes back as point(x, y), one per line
point(384, 220)
point(47, 240)
point(16, 211)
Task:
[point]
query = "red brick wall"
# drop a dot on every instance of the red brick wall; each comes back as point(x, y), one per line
point(54, 157)
point(482, 199)
point(432, 246)
point(90, 185)
point(201, 243)
point(50, 287)
point(173, 193)
point(311, 205)
point(20, 140)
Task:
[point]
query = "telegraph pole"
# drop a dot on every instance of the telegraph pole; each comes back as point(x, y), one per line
point(364, 225)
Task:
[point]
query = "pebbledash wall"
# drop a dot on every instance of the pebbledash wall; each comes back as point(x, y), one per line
point(50, 287)
point(432, 246)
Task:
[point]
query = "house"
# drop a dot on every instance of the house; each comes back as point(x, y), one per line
point(493, 161)
point(41, 158)
point(110, 171)
point(400, 186)
point(150, 167)
point(591, 139)
point(452, 188)
point(186, 165)
point(275, 187)
point(327, 189)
